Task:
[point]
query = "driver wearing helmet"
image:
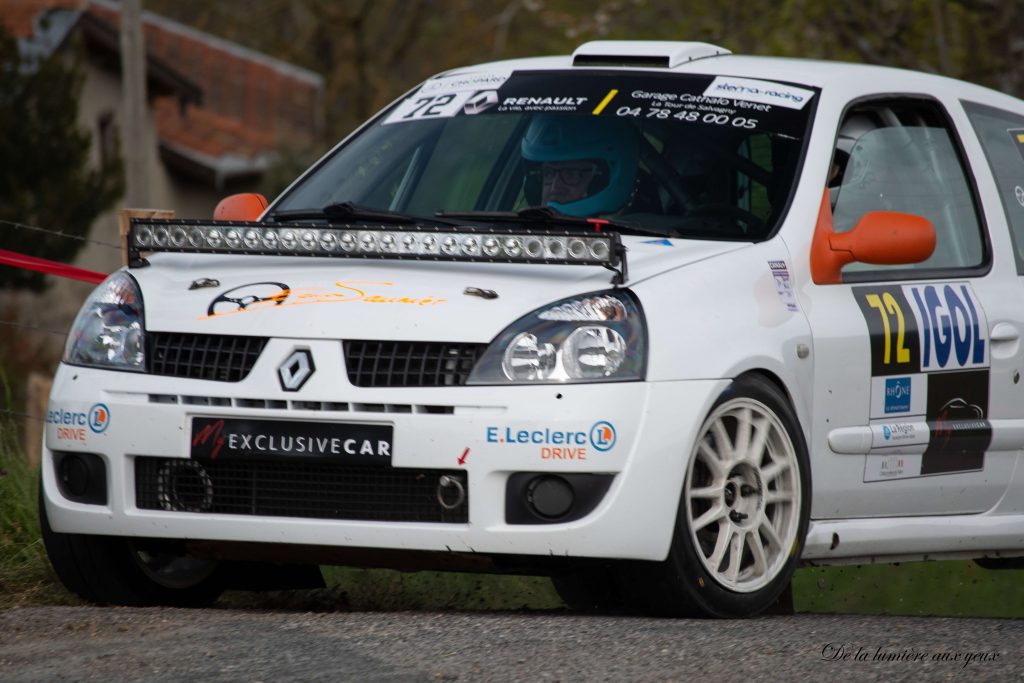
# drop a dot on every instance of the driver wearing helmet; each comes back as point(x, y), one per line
point(581, 166)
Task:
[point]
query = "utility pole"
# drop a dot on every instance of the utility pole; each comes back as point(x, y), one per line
point(133, 77)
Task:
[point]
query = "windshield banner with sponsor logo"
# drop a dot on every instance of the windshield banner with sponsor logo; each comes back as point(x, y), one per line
point(677, 99)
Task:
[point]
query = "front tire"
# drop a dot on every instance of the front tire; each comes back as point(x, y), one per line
point(594, 589)
point(124, 571)
point(743, 512)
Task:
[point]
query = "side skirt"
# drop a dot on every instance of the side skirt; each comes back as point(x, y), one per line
point(870, 541)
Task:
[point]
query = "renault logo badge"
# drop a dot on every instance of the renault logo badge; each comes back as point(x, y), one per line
point(296, 369)
point(481, 102)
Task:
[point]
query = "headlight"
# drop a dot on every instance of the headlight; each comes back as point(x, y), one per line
point(597, 337)
point(108, 331)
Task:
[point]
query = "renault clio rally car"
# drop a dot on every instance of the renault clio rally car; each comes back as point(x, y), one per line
point(656, 320)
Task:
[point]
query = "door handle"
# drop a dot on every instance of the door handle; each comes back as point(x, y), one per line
point(1004, 332)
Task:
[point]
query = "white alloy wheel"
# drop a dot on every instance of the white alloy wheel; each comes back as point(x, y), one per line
point(742, 495)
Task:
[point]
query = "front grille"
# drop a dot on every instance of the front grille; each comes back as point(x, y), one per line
point(292, 488)
point(410, 364)
point(218, 357)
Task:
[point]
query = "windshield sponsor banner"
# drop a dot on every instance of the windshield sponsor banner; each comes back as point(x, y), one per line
point(420, 107)
point(228, 438)
point(447, 96)
point(764, 92)
point(544, 103)
point(469, 82)
point(678, 99)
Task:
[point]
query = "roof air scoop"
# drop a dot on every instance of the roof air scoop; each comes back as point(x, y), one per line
point(647, 53)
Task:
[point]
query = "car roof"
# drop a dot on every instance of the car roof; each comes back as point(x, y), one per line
point(717, 61)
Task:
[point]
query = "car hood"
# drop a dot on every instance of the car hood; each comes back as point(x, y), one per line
point(377, 299)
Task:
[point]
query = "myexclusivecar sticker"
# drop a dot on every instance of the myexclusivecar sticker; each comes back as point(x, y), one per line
point(960, 434)
point(252, 439)
point(930, 379)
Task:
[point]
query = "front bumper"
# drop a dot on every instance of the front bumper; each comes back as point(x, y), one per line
point(654, 426)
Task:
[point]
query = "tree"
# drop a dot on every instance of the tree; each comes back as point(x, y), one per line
point(368, 51)
point(371, 51)
point(45, 176)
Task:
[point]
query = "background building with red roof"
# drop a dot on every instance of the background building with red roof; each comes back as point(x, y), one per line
point(218, 111)
point(217, 115)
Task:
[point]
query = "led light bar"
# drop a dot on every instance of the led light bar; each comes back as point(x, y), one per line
point(383, 242)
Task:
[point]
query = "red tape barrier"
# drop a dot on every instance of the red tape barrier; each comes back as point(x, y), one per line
point(11, 258)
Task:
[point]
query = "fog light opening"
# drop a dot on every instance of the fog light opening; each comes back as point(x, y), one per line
point(74, 476)
point(550, 496)
point(184, 486)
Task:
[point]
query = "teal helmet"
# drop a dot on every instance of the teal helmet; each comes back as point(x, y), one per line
point(611, 142)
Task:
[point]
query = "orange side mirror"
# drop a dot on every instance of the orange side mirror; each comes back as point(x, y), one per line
point(248, 206)
point(880, 237)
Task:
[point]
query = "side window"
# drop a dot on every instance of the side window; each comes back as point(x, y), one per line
point(1002, 136)
point(900, 155)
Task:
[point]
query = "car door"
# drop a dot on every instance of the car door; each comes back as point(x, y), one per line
point(1000, 132)
point(914, 363)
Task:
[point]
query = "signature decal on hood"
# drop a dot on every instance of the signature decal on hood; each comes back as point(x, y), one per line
point(246, 296)
point(272, 295)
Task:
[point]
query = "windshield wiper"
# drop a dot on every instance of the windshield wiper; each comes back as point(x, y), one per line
point(547, 215)
point(353, 211)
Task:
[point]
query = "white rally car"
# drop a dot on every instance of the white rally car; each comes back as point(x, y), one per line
point(656, 320)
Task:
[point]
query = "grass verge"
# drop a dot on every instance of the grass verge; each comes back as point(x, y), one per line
point(26, 577)
point(949, 588)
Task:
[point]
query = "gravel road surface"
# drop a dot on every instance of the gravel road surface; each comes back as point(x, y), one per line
point(156, 645)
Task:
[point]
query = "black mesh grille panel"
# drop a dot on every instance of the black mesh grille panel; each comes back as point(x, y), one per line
point(217, 357)
point(317, 490)
point(410, 364)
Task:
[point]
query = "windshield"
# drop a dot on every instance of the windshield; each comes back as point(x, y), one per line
point(679, 155)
